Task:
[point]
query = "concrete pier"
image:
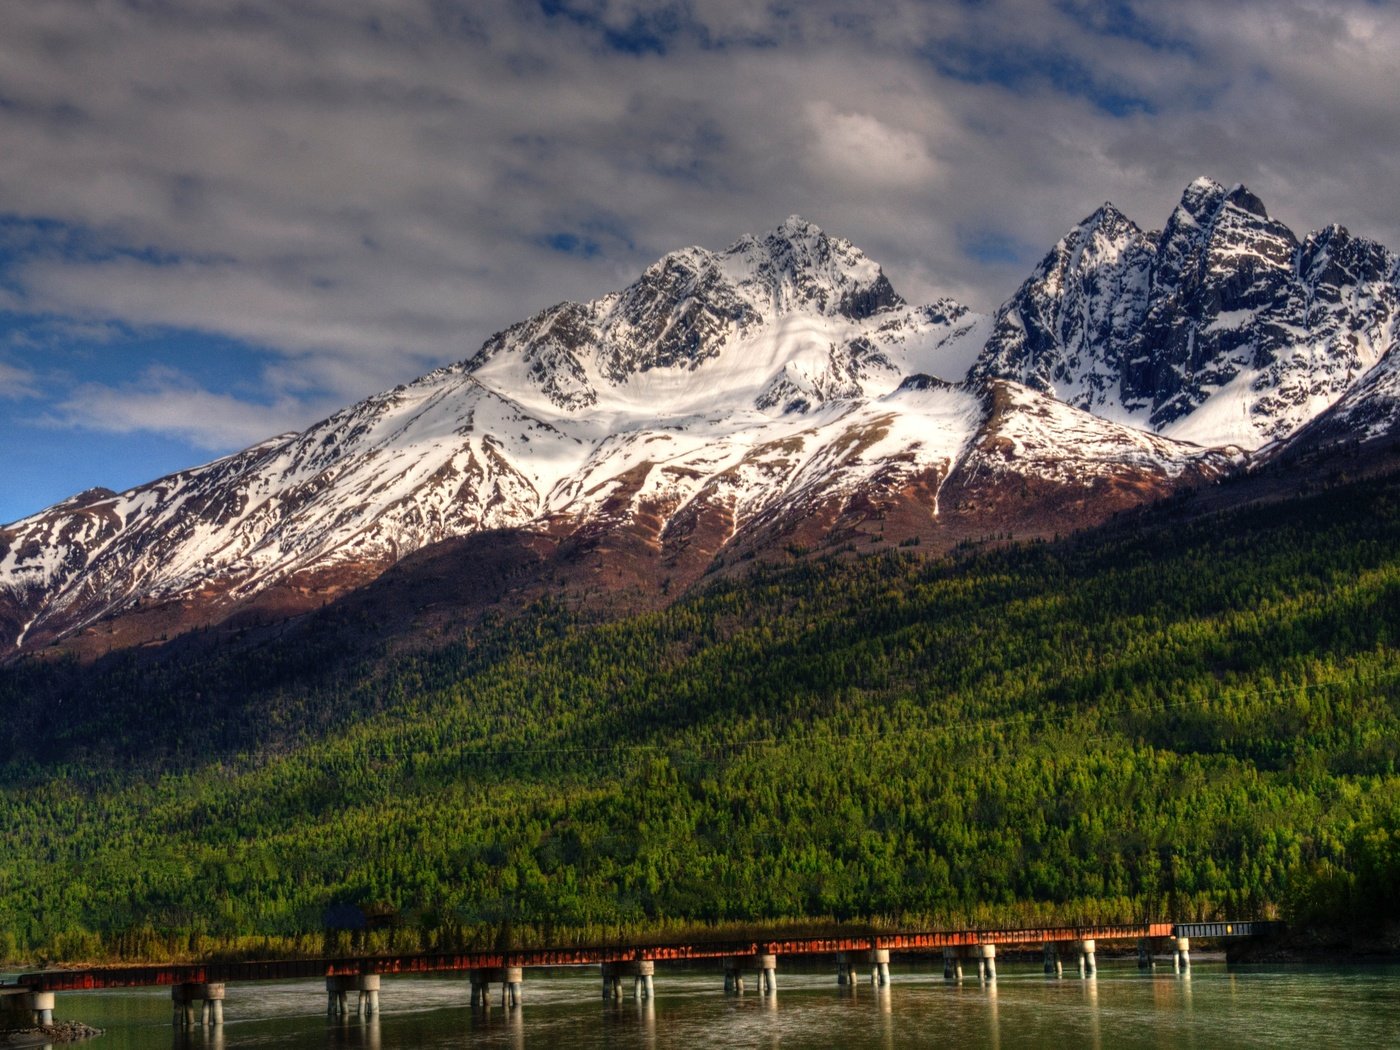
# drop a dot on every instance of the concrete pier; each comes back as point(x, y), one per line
point(368, 987)
point(481, 985)
point(1054, 965)
point(880, 967)
point(41, 1007)
point(1087, 966)
point(733, 976)
point(209, 996)
point(1144, 954)
point(1181, 955)
point(986, 962)
point(510, 978)
point(642, 972)
point(365, 988)
point(765, 965)
point(952, 964)
point(849, 966)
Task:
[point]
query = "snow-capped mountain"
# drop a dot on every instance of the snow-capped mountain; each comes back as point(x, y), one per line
point(1222, 329)
point(776, 396)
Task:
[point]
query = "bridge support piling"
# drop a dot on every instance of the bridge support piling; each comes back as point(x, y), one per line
point(848, 967)
point(1181, 955)
point(952, 964)
point(1054, 965)
point(337, 995)
point(512, 982)
point(1145, 960)
point(41, 1007)
point(368, 986)
point(767, 967)
point(513, 986)
point(210, 997)
point(734, 975)
point(1088, 967)
point(642, 972)
point(880, 967)
point(986, 962)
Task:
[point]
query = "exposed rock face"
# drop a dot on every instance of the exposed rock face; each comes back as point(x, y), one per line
point(731, 404)
point(1222, 329)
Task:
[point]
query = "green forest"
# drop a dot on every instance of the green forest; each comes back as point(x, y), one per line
point(1174, 716)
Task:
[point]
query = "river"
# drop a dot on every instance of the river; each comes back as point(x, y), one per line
point(1268, 1007)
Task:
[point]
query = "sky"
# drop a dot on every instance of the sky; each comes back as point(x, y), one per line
point(224, 219)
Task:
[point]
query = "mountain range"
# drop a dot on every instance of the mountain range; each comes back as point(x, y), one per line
point(775, 398)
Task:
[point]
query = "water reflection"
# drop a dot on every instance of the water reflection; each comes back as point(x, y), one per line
point(200, 1037)
point(505, 1026)
point(1091, 1007)
point(363, 1035)
point(1291, 1010)
point(1188, 1009)
point(993, 1018)
point(627, 1018)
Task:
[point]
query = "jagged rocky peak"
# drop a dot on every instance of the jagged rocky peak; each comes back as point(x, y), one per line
point(804, 268)
point(1064, 330)
point(796, 266)
point(688, 307)
point(1204, 197)
point(1224, 306)
point(1201, 198)
point(1331, 259)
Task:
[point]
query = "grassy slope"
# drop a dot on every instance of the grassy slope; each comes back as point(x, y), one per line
point(1170, 717)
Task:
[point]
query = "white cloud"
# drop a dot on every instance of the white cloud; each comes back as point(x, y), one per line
point(867, 152)
point(163, 401)
point(364, 187)
point(16, 383)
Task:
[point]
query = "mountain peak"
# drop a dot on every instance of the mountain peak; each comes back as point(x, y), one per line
point(1105, 213)
point(1201, 199)
point(797, 265)
point(796, 226)
point(1242, 198)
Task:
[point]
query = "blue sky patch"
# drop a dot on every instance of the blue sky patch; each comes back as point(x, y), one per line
point(1025, 71)
point(58, 356)
point(993, 248)
point(646, 33)
point(1121, 21)
point(571, 244)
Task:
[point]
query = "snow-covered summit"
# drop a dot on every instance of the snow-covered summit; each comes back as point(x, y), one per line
point(793, 318)
point(1222, 329)
point(777, 393)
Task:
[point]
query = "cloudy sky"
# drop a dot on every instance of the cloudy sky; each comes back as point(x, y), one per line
point(222, 219)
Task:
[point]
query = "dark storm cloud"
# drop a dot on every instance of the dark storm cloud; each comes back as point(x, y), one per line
point(367, 189)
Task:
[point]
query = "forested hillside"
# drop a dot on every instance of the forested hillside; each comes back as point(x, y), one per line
point(1173, 716)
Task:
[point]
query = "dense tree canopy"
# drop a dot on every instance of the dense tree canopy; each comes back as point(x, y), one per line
point(1171, 717)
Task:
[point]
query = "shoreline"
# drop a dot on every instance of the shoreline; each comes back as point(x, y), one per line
point(42, 1035)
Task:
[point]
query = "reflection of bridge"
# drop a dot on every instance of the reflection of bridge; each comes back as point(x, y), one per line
point(205, 982)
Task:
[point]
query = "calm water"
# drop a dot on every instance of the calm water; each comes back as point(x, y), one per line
point(1277, 1008)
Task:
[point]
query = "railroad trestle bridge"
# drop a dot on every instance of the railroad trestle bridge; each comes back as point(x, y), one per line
point(33, 994)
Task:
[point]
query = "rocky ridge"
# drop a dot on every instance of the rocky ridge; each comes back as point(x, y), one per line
point(777, 395)
point(1222, 329)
